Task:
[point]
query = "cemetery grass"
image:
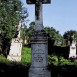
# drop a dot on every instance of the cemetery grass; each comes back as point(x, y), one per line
point(19, 68)
point(59, 66)
point(26, 55)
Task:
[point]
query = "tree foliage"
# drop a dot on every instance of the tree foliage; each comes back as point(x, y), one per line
point(23, 32)
point(54, 34)
point(9, 17)
point(29, 30)
point(68, 36)
point(49, 31)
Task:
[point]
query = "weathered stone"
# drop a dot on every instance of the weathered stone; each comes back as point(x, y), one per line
point(39, 72)
point(39, 43)
point(72, 53)
point(16, 46)
point(15, 50)
point(39, 46)
point(34, 1)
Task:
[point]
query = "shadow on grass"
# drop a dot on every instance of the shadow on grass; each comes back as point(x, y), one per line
point(17, 69)
point(21, 70)
point(63, 71)
point(59, 51)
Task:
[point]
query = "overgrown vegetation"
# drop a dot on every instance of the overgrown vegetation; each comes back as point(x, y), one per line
point(60, 61)
point(26, 59)
point(26, 55)
point(10, 15)
point(59, 66)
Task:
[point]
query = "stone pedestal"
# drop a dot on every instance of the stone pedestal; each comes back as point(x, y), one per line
point(39, 43)
point(72, 53)
point(39, 63)
point(15, 50)
point(39, 72)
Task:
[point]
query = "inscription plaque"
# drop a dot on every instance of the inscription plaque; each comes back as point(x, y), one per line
point(38, 57)
point(42, 75)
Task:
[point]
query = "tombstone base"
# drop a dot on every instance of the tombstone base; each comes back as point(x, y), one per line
point(72, 53)
point(39, 49)
point(14, 58)
point(15, 49)
point(39, 72)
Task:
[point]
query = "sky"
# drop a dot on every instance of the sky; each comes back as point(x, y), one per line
point(60, 14)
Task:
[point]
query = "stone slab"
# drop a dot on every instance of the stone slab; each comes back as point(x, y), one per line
point(15, 50)
point(39, 72)
point(39, 55)
point(72, 51)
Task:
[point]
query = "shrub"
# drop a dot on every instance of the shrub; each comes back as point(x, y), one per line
point(63, 61)
point(53, 60)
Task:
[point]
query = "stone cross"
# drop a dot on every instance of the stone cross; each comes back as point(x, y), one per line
point(19, 29)
point(73, 39)
point(16, 46)
point(39, 43)
point(38, 13)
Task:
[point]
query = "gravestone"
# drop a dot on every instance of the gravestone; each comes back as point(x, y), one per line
point(39, 43)
point(72, 53)
point(16, 47)
point(15, 50)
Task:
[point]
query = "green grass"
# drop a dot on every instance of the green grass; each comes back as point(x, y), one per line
point(26, 55)
point(4, 60)
point(25, 58)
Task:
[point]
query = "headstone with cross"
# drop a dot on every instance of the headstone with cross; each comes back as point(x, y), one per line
point(72, 53)
point(38, 12)
point(39, 43)
point(16, 46)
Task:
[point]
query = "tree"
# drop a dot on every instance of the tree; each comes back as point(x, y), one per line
point(23, 32)
point(29, 30)
point(49, 31)
point(67, 36)
point(54, 34)
point(9, 17)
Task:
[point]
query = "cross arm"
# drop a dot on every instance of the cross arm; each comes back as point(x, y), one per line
point(34, 1)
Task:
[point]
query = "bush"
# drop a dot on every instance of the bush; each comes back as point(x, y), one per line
point(63, 61)
point(53, 60)
point(60, 61)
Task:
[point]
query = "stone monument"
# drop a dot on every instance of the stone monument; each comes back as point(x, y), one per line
point(39, 43)
point(72, 53)
point(16, 47)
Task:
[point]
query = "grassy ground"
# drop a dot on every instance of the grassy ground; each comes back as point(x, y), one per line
point(26, 55)
point(19, 68)
point(59, 68)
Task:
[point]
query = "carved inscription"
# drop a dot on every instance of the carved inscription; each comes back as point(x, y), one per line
point(39, 48)
point(42, 75)
point(73, 47)
point(38, 57)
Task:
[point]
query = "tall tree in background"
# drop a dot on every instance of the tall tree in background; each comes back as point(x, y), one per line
point(49, 30)
point(9, 17)
point(23, 32)
point(67, 36)
point(54, 34)
point(29, 30)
